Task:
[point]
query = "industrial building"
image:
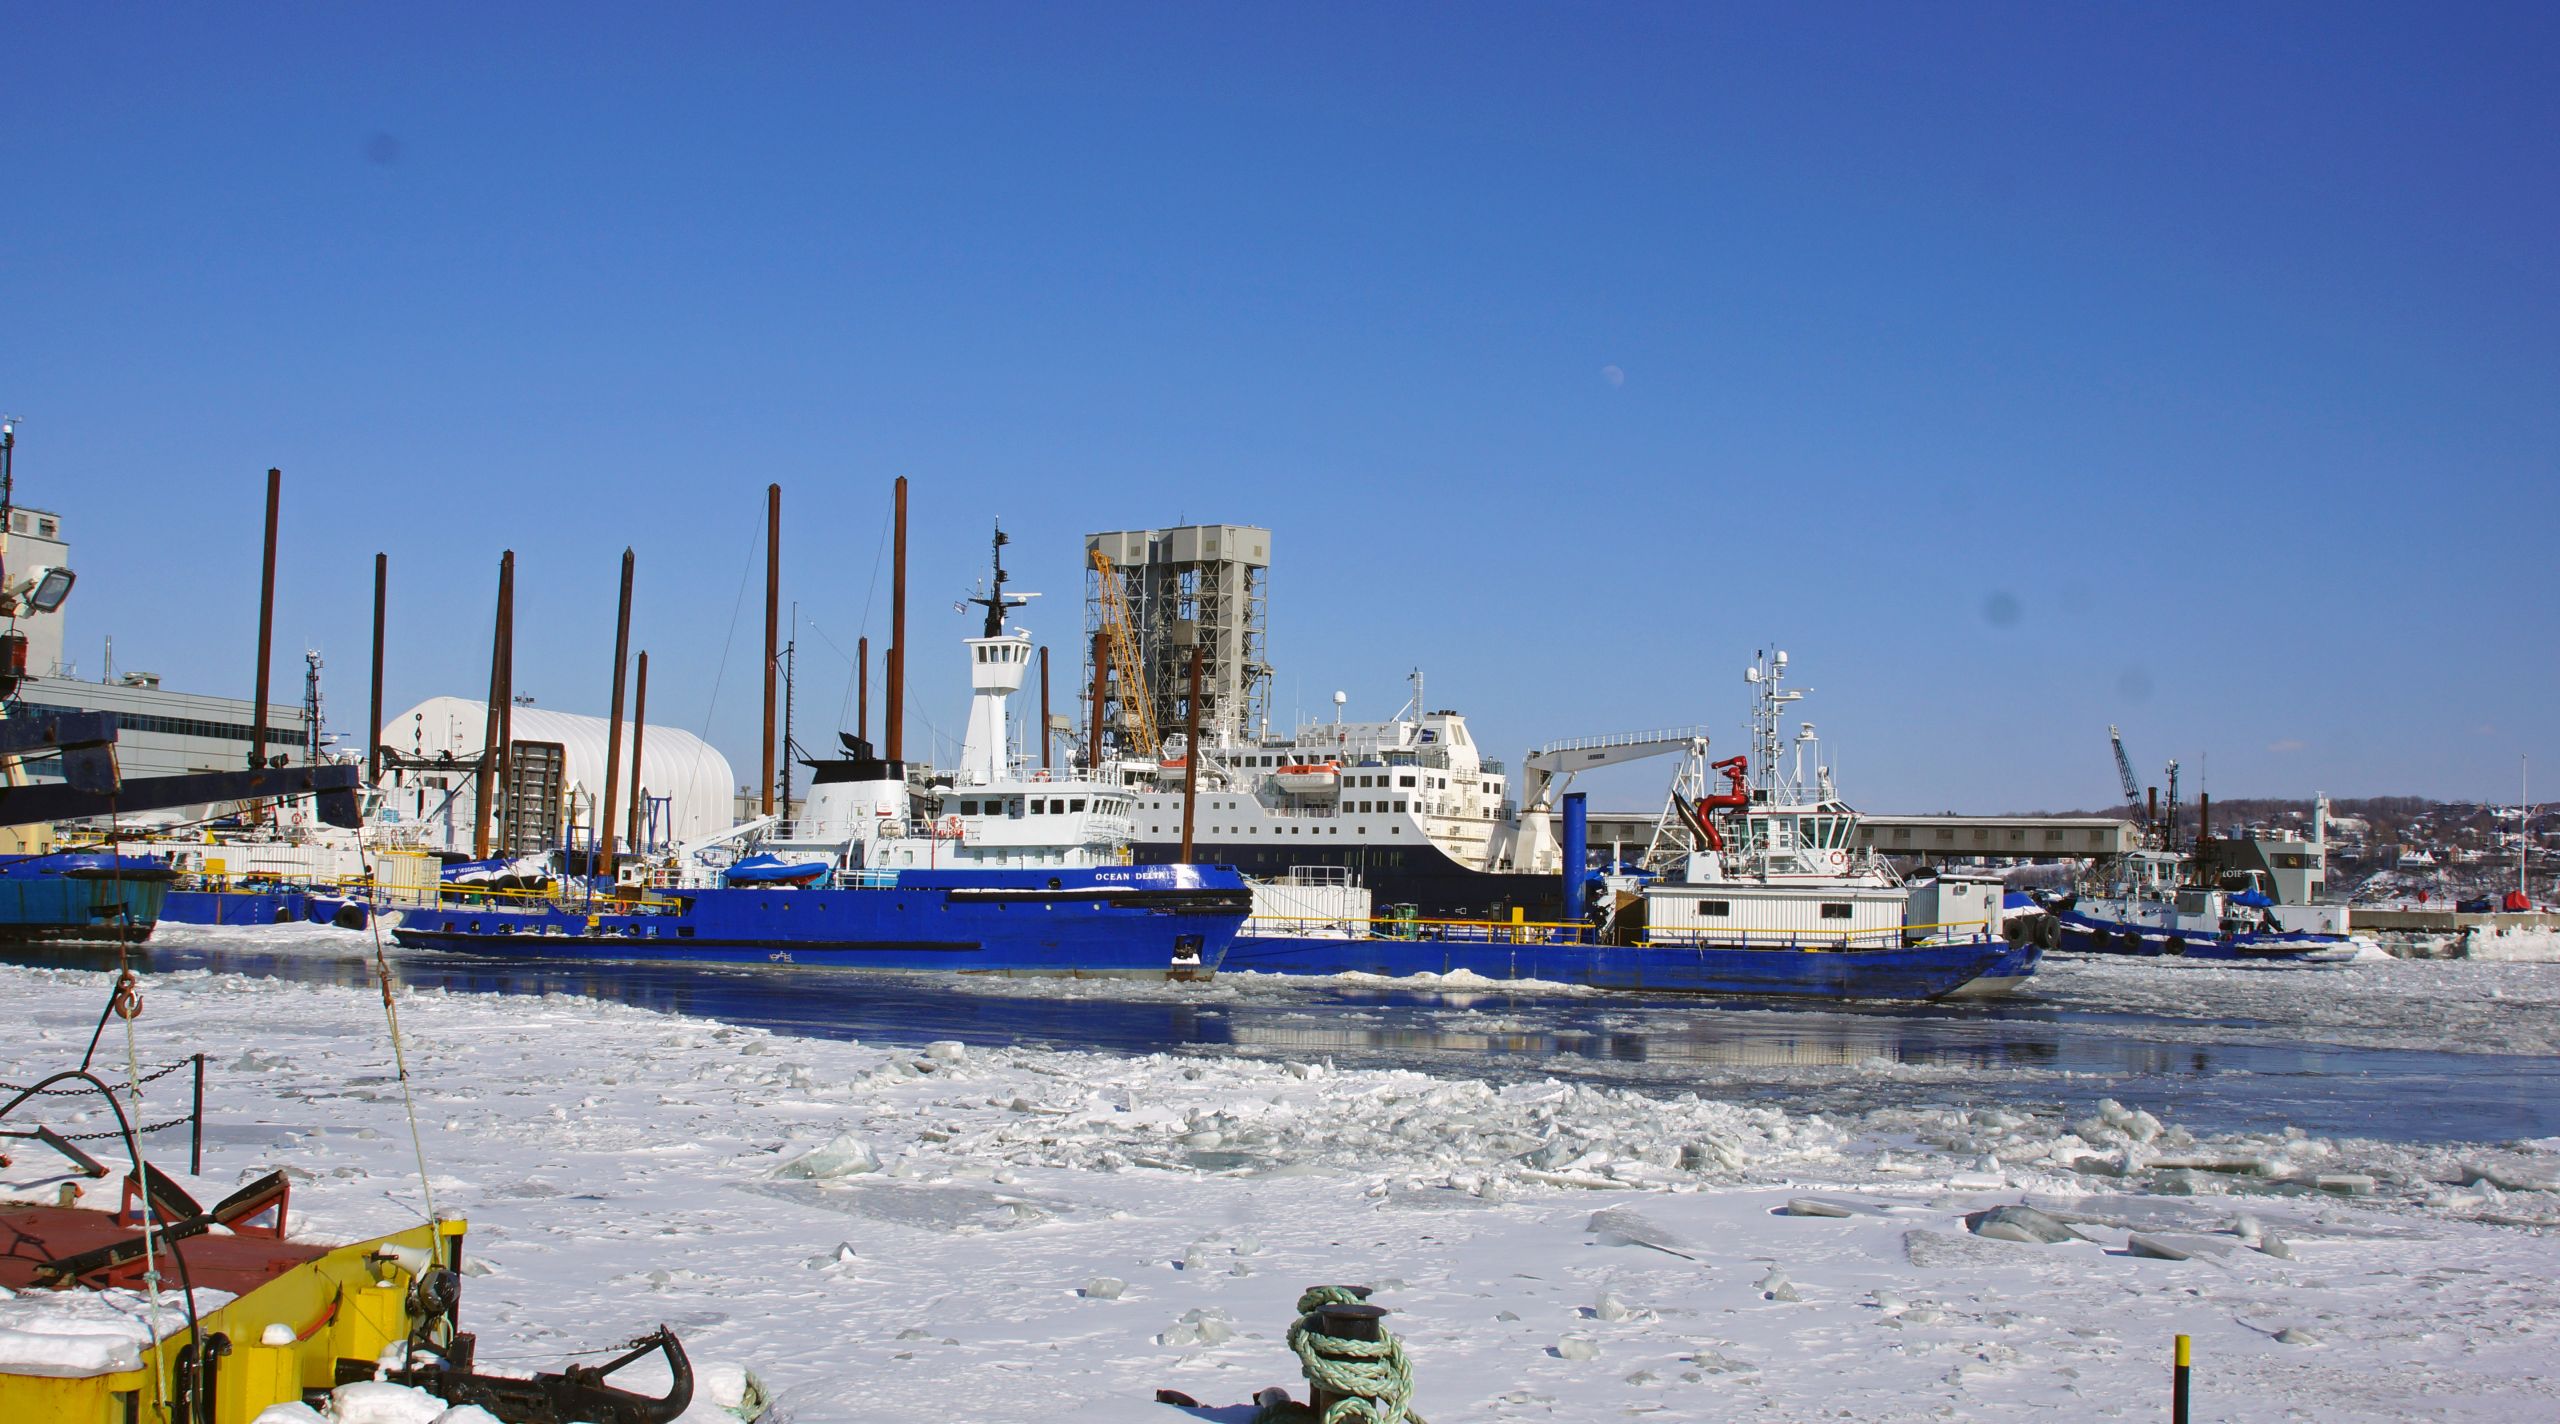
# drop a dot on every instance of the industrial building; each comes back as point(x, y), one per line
point(1161, 593)
point(161, 732)
point(554, 791)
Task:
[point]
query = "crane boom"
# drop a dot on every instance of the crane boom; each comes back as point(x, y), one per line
point(1551, 767)
point(2124, 767)
point(1135, 699)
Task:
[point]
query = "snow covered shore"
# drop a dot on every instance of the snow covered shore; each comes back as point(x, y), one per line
point(1017, 1234)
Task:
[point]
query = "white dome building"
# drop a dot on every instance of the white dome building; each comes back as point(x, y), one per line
point(560, 761)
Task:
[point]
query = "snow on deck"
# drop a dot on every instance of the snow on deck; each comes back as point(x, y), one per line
point(1019, 1234)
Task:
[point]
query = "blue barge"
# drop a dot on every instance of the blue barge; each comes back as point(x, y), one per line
point(1971, 968)
point(1138, 920)
point(80, 895)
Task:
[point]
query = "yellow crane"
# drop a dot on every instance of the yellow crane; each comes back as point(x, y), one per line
point(1136, 703)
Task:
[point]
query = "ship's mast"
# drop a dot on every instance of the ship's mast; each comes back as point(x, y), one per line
point(311, 706)
point(993, 600)
point(1768, 709)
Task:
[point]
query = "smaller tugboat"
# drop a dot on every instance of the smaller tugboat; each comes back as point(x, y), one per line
point(2154, 905)
point(1754, 889)
point(1001, 866)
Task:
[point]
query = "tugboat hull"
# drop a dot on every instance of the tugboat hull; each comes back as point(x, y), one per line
point(2088, 934)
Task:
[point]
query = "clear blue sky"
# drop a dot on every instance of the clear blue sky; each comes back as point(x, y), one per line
point(2020, 369)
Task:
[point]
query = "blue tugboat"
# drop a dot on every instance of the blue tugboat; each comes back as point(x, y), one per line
point(998, 867)
point(1769, 898)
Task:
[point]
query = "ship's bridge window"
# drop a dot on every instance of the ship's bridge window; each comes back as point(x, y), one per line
point(968, 808)
point(1404, 781)
point(1835, 911)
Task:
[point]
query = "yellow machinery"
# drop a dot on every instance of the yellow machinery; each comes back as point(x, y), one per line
point(275, 1341)
point(1136, 702)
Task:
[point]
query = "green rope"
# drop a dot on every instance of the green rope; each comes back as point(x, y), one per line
point(1373, 1375)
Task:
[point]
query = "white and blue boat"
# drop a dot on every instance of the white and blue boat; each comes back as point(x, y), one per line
point(2153, 907)
point(1762, 893)
point(1000, 866)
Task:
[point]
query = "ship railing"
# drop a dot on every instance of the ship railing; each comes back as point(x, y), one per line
point(1834, 941)
point(866, 880)
point(1623, 739)
point(1557, 932)
point(1044, 775)
point(1320, 876)
point(255, 882)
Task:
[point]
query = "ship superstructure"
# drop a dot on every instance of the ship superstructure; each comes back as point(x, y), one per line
point(997, 866)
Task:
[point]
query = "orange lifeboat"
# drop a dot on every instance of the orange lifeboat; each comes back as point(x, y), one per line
point(1308, 778)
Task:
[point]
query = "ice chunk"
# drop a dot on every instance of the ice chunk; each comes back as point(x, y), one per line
point(1578, 1347)
point(1198, 1327)
point(1814, 1206)
point(2296, 1335)
point(730, 1388)
point(2019, 1223)
point(294, 1413)
point(1776, 1286)
point(1611, 1307)
point(842, 1255)
point(947, 1050)
point(1626, 1226)
point(2174, 1248)
point(1104, 1288)
point(377, 1402)
point(2345, 1184)
point(843, 1156)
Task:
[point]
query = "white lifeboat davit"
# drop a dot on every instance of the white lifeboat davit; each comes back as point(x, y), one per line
point(1310, 778)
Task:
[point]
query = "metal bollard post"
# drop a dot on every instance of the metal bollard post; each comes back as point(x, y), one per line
point(1342, 1322)
point(2178, 1386)
point(195, 1152)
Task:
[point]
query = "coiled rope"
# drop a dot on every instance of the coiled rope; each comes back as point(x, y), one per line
point(1373, 1377)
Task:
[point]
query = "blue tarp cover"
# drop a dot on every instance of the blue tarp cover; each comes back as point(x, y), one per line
point(772, 870)
point(2252, 899)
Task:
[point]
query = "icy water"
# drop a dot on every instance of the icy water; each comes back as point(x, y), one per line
point(2345, 1051)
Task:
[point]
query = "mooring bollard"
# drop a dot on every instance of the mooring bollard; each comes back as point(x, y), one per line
point(195, 1146)
point(1353, 1365)
point(2178, 1386)
point(1338, 1322)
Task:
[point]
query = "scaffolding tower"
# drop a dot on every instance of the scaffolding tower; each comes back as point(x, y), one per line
point(1201, 585)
